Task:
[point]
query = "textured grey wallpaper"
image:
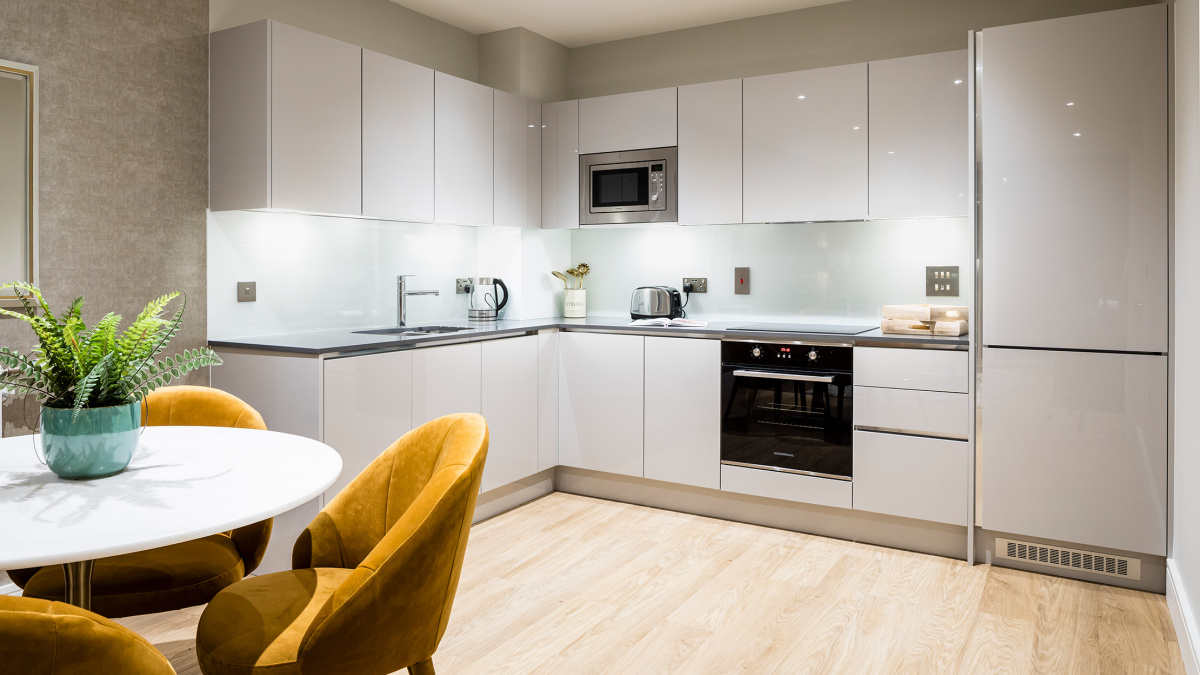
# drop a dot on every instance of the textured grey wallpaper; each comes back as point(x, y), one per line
point(124, 155)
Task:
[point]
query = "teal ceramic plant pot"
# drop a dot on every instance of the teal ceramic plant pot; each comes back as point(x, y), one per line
point(98, 443)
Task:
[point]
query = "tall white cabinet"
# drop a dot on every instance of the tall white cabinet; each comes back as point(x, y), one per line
point(710, 153)
point(463, 163)
point(518, 161)
point(560, 165)
point(919, 147)
point(397, 138)
point(601, 402)
point(804, 137)
point(286, 121)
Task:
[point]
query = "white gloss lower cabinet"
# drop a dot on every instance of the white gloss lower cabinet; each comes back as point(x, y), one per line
point(1074, 447)
point(601, 402)
point(911, 476)
point(368, 405)
point(510, 405)
point(463, 165)
point(683, 411)
point(446, 380)
point(804, 145)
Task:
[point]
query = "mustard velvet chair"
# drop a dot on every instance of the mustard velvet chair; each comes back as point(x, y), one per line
point(374, 574)
point(179, 575)
point(39, 637)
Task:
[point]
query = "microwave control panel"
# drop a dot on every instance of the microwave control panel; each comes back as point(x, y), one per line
point(658, 186)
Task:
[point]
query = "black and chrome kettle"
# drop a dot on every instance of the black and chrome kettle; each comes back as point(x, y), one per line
point(483, 298)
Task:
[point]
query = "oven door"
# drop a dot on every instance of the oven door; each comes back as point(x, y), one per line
point(798, 422)
point(615, 188)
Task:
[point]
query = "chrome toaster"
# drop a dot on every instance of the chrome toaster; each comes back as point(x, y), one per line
point(656, 302)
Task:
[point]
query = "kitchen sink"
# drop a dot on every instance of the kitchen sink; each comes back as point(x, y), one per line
point(411, 330)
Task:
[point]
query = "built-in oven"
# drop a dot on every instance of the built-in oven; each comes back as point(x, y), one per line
point(788, 406)
point(636, 186)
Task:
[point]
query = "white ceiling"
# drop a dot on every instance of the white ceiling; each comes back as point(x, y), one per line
point(575, 23)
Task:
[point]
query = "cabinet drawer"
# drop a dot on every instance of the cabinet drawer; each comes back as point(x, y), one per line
point(936, 413)
point(922, 478)
point(790, 486)
point(926, 369)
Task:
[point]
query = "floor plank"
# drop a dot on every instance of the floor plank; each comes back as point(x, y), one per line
point(576, 585)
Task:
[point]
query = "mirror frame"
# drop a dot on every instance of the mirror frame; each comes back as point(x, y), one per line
point(8, 298)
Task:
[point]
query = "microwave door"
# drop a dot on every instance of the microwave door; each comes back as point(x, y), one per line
point(620, 188)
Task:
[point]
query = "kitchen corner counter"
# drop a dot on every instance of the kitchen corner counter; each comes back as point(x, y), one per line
point(347, 341)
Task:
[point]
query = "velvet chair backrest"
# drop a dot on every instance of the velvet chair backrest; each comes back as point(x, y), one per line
point(402, 525)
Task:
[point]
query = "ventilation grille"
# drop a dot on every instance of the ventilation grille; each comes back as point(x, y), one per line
point(1071, 559)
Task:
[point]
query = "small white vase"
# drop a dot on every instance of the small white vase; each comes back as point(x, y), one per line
point(575, 303)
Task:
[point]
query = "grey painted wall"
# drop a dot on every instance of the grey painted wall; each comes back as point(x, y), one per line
point(845, 32)
point(524, 63)
point(379, 25)
point(124, 154)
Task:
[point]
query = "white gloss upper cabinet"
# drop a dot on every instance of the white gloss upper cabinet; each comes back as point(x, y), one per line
point(919, 152)
point(710, 153)
point(286, 120)
point(1075, 150)
point(560, 165)
point(642, 119)
point(600, 402)
point(463, 164)
point(1075, 447)
point(683, 411)
point(397, 138)
point(510, 406)
point(518, 161)
point(446, 380)
point(804, 140)
point(368, 406)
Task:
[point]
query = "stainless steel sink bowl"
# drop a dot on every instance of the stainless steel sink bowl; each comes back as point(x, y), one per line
point(411, 330)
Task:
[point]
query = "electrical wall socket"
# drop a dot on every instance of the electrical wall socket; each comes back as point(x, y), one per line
point(741, 281)
point(699, 284)
point(941, 281)
point(247, 291)
point(460, 286)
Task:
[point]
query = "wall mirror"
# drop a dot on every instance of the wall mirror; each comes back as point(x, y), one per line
point(18, 176)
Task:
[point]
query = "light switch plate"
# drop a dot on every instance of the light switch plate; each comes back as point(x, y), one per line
point(460, 286)
point(699, 284)
point(941, 281)
point(741, 281)
point(247, 291)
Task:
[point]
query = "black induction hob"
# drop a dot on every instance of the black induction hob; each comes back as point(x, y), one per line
point(828, 329)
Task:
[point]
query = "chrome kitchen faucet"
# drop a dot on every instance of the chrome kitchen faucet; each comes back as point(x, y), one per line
point(401, 305)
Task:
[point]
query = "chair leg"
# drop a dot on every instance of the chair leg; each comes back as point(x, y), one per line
point(422, 668)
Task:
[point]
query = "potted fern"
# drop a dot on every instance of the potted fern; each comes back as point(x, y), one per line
point(91, 381)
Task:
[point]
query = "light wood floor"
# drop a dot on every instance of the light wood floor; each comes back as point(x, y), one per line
point(574, 585)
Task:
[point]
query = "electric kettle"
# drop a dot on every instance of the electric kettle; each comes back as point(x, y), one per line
point(484, 302)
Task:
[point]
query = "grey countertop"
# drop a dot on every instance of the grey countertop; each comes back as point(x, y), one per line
point(346, 340)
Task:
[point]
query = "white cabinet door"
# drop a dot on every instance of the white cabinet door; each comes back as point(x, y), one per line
point(1074, 447)
point(1075, 185)
point(924, 369)
point(463, 168)
point(510, 406)
point(446, 380)
point(804, 138)
point(710, 153)
point(518, 161)
point(600, 411)
point(919, 152)
point(911, 477)
point(547, 399)
point(683, 411)
point(368, 406)
point(560, 165)
point(316, 122)
point(397, 139)
point(642, 119)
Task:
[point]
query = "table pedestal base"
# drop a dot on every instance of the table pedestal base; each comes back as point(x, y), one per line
point(79, 583)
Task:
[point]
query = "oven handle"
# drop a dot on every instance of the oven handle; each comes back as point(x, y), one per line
point(826, 379)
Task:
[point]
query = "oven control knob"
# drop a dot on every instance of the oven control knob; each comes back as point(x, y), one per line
point(756, 352)
point(812, 355)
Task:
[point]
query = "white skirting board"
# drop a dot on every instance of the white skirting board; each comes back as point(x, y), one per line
point(1185, 630)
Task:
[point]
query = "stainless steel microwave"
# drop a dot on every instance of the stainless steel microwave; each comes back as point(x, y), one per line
point(635, 186)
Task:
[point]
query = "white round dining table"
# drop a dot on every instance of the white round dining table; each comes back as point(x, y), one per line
point(182, 484)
